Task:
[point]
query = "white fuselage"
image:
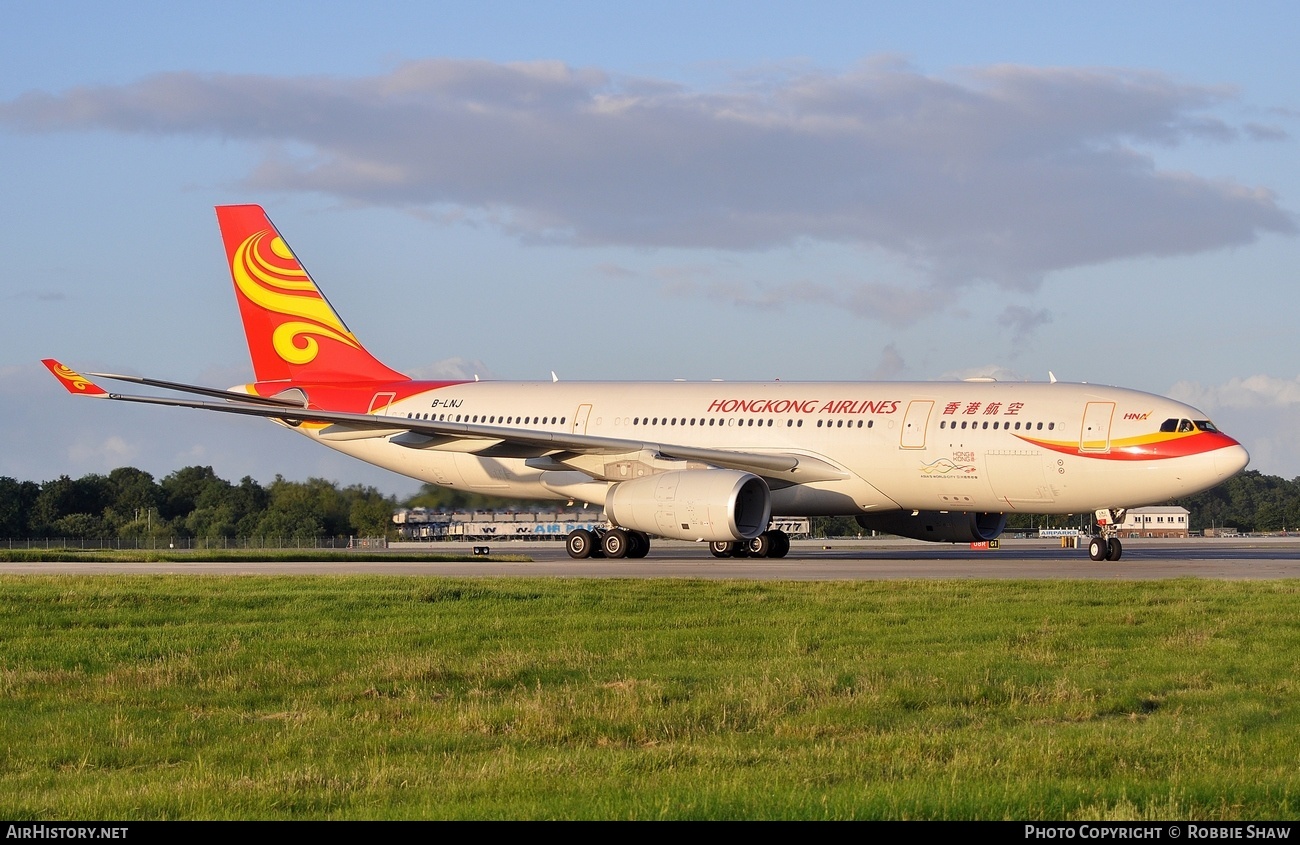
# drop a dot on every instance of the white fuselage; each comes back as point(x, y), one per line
point(948, 446)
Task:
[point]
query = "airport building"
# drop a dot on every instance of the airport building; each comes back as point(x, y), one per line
point(423, 524)
point(1164, 521)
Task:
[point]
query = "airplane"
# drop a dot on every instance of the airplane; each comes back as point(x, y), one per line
point(704, 461)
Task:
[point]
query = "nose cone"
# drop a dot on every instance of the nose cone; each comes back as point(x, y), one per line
point(1230, 460)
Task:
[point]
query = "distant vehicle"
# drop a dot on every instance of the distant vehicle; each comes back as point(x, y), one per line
point(712, 461)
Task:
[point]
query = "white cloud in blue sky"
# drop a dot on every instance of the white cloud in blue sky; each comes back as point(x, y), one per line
point(815, 190)
point(1001, 175)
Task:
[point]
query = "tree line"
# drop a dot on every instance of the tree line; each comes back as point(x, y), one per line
point(129, 505)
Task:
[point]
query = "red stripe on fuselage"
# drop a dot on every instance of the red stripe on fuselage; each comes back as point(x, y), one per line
point(1175, 446)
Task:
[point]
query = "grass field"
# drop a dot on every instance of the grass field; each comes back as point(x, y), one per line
point(145, 697)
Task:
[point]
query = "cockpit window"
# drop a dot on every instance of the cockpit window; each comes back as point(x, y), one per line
point(1205, 425)
point(1185, 425)
point(1169, 425)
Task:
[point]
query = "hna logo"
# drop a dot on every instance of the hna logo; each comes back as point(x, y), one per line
point(1136, 416)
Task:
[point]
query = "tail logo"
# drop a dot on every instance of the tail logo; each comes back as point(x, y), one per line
point(267, 273)
point(74, 381)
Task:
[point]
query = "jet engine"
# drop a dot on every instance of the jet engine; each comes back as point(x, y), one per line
point(700, 504)
point(938, 526)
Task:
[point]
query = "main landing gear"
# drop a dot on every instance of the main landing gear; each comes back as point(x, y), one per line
point(621, 542)
point(1106, 545)
point(614, 543)
point(772, 543)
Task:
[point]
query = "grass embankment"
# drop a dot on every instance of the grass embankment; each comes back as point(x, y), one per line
point(233, 556)
point(360, 697)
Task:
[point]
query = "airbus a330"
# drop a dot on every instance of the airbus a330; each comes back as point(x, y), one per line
point(710, 461)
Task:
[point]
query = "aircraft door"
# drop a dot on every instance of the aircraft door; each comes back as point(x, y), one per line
point(580, 419)
point(380, 402)
point(1096, 427)
point(915, 422)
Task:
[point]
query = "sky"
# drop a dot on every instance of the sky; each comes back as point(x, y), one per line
point(648, 191)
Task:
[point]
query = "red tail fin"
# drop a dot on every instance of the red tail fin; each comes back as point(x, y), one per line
point(293, 332)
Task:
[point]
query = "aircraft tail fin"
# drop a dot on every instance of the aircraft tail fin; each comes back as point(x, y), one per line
point(293, 332)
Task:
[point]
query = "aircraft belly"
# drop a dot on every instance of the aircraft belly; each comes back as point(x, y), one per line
point(829, 499)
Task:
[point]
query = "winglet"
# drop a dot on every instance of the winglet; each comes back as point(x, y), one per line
point(75, 382)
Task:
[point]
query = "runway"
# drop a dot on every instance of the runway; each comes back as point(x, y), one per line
point(811, 560)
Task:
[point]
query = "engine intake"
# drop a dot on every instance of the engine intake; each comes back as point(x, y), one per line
point(700, 504)
point(937, 526)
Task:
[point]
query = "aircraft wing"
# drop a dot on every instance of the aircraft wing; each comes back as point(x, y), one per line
point(783, 467)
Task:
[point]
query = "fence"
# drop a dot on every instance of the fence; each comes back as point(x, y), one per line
point(197, 543)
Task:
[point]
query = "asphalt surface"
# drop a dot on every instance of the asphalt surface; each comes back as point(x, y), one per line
point(1229, 559)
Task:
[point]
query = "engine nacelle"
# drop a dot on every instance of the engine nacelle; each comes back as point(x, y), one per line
point(693, 504)
point(937, 526)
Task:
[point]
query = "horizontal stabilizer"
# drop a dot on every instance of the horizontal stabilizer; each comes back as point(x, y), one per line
point(217, 392)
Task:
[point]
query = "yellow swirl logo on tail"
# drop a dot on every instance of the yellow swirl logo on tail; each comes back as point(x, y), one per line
point(72, 380)
point(267, 273)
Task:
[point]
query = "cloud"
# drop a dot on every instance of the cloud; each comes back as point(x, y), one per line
point(1260, 411)
point(1022, 322)
point(891, 364)
point(872, 300)
point(452, 369)
point(1001, 174)
point(1266, 132)
point(1258, 391)
point(993, 371)
point(105, 454)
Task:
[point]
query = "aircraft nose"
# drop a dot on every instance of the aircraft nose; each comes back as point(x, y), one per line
point(1230, 460)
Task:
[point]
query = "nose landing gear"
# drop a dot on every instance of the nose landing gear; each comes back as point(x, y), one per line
point(1106, 545)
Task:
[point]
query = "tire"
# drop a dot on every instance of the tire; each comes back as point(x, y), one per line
point(1114, 549)
point(1098, 548)
point(640, 544)
point(761, 546)
point(780, 544)
point(720, 548)
point(615, 543)
point(580, 544)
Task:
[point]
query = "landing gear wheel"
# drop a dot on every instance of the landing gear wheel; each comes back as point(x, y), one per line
point(1098, 548)
point(761, 546)
point(1114, 548)
point(740, 548)
point(639, 544)
point(580, 543)
point(616, 543)
point(720, 548)
point(780, 544)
